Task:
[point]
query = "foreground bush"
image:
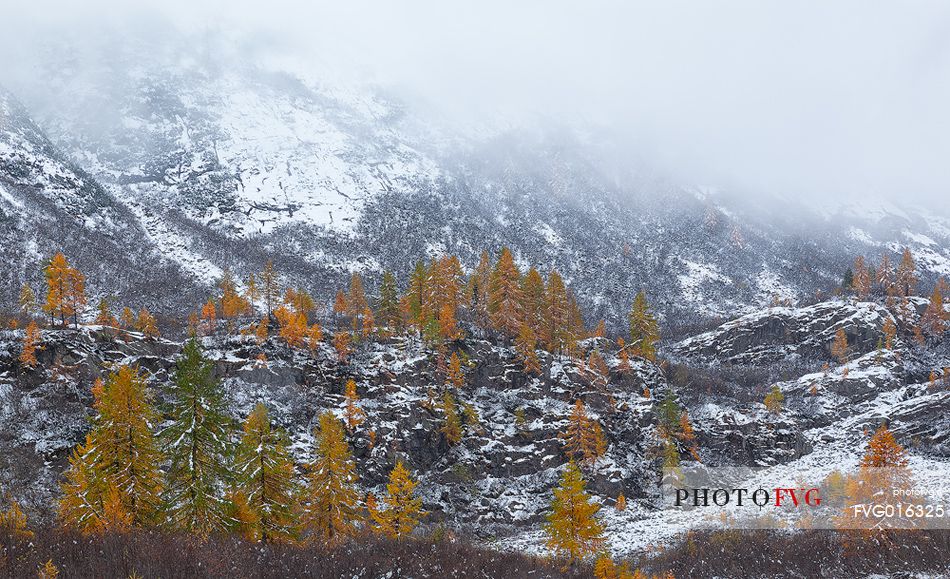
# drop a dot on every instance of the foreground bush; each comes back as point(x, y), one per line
point(153, 554)
point(817, 553)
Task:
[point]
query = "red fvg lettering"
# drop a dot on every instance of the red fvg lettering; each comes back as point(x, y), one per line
point(809, 496)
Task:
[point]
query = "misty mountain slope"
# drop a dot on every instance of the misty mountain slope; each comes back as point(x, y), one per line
point(217, 166)
point(49, 204)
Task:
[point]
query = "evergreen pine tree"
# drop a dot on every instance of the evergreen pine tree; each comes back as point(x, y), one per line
point(644, 330)
point(198, 443)
point(388, 313)
point(415, 296)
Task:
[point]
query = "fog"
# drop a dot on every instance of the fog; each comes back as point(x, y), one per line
point(823, 100)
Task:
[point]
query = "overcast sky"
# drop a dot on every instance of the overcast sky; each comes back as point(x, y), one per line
point(824, 98)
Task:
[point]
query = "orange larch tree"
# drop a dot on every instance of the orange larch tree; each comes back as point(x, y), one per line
point(504, 297)
point(583, 438)
point(66, 293)
point(31, 339)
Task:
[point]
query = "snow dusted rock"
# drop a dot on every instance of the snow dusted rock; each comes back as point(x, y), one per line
point(498, 479)
point(748, 436)
point(497, 482)
point(783, 334)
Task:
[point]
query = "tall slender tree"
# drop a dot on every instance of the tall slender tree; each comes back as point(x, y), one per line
point(532, 300)
point(65, 290)
point(388, 313)
point(906, 278)
point(644, 329)
point(117, 469)
point(331, 504)
point(269, 286)
point(583, 438)
point(556, 335)
point(31, 340)
point(199, 445)
point(861, 281)
point(402, 510)
point(572, 527)
point(504, 295)
point(264, 473)
point(934, 317)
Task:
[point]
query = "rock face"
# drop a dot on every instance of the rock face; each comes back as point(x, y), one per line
point(783, 334)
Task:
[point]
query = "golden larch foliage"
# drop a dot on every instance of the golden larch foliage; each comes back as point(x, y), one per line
point(293, 326)
point(839, 346)
point(456, 377)
point(65, 289)
point(341, 342)
point(526, 346)
point(452, 427)
point(209, 315)
point(314, 337)
point(31, 340)
point(114, 475)
point(504, 295)
point(47, 570)
point(354, 414)
point(774, 400)
point(265, 475)
point(145, 323)
point(403, 509)
point(572, 528)
point(331, 510)
point(13, 521)
point(583, 438)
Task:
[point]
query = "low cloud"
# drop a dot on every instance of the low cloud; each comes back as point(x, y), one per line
point(828, 100)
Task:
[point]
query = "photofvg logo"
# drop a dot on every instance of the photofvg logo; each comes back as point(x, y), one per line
point(722, 497)
point(756, 498)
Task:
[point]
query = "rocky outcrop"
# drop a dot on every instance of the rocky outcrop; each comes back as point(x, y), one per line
point(783, 334)
point(498, 477)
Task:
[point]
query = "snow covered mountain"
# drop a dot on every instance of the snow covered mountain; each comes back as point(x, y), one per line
point(196, 164)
